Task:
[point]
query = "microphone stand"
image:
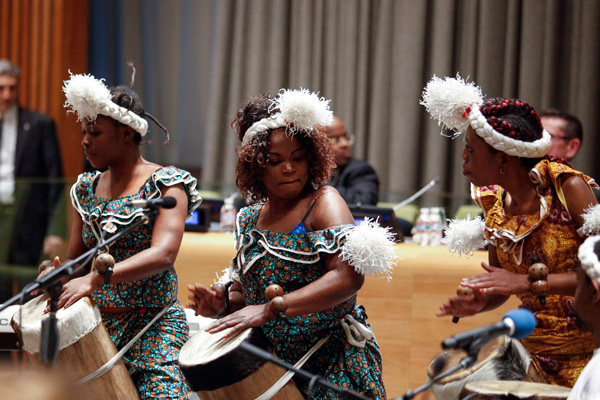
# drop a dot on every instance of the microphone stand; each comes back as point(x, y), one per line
point(466, 362)
point(52, 283)
point(312, 378)
point(417, 195)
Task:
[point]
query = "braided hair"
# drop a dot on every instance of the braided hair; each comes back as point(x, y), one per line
point(253, 155)
point(515, 119)
point(126, 97)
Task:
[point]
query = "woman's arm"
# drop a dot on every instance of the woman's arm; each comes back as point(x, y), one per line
point(337, 285)
point(166, 239)
point(486, 290)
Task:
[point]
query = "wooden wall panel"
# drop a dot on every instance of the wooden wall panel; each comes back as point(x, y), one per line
point(47, 38)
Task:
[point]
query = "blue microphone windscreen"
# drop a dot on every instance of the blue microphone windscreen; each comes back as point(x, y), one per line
point(524, 321)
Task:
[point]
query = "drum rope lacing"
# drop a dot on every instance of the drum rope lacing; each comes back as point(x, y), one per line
point(111, 363)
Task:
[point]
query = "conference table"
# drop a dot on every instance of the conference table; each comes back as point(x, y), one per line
point(401, 311)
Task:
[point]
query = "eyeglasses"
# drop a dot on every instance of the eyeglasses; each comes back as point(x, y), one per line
point(336, 139)
point(565, 138)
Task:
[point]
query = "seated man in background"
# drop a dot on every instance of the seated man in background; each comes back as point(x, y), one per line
point(587, 308)
point(567, 135)
point(356, 180)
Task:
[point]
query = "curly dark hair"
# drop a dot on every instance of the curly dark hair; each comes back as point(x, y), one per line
point(253, 155)
point(515, 119)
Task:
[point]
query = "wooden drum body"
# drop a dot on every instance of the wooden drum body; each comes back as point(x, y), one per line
point(84, 346)
point(217, 368)
point(501, 359)
point(505, 390)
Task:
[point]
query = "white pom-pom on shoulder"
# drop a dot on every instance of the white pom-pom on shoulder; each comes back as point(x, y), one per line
point(86, 96)
point(591, 221)
point(369, 248)
point(303, 110)
point(465, 236)
point(447, 100)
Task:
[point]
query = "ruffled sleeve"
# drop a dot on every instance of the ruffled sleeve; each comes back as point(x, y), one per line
point(170, 176)
point(367, 247)
point(509, 232)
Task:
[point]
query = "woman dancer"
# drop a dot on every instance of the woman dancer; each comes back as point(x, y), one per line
point(301, 236)
point(143, 280)
point(534, 210)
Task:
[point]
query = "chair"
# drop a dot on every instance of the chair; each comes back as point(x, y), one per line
point(467, 211)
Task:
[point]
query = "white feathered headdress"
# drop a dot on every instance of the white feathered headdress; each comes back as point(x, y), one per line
point(455, 104)
point(87, 97)
point(299, 111)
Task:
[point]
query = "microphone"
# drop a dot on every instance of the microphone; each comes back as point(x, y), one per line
point(425, 188)
point(516, 323)
point(164, 202)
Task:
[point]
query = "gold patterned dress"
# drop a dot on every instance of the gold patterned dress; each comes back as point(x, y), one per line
point(559, 349)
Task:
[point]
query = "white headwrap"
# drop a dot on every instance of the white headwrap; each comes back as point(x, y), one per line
point(299, 110)
point(589, 258)
point(88, 97)
point(455, 104)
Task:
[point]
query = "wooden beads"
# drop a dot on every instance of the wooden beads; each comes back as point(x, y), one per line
point(538, 278)
point(277, 304)
point(104, 261)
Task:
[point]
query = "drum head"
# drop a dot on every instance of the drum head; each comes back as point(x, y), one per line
point(211, 361)
point(518, 389)
point(450, 358)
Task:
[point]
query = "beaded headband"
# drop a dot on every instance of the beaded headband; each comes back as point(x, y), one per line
point(589, 258)
point(455, 105)
point(299, 111)
point(87, 97)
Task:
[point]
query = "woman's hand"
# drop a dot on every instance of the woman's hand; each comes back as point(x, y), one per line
point(45, 268)
point(247, 317)
point(207, 302)
point(463, 306)
point(77, 288)
point(498, 281)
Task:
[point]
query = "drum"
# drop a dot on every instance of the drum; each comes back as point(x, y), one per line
point(217, 368)
point(506, 390)
point(84, 346)
point(501, 359)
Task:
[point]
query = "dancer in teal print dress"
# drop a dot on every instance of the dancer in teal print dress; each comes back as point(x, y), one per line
point(300, 235)
point(143, 281)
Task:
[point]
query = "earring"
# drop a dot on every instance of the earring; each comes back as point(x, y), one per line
point(501, 170)
point(314, 184)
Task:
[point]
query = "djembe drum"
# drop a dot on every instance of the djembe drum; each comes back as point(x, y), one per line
point(507, 390)
point(217, 368)
point(84, 347)
point(501, 359)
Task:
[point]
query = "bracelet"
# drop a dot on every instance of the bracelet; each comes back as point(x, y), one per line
point(277, 304)
point(538, 278)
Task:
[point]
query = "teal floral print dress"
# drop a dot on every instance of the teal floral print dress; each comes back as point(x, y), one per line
point(152, 360)
point(293, 261)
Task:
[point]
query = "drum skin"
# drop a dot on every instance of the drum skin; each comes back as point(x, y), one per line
point(82, 357)
point(218, 368)
point(502, 359)
point(504, 390)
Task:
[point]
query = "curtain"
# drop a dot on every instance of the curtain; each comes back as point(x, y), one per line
point(198, 60)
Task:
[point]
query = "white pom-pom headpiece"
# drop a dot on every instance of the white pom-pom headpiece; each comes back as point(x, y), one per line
point(369, 248)
point(87, 97)
point(589, 258)
point(299, 111)
point(465, 236)
point(455, 103)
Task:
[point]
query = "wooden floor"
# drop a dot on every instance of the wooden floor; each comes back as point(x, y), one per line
point(401, 311)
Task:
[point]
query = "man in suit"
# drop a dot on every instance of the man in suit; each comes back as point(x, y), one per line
point(356, 180)
point(30, 177)
point(567, 135)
